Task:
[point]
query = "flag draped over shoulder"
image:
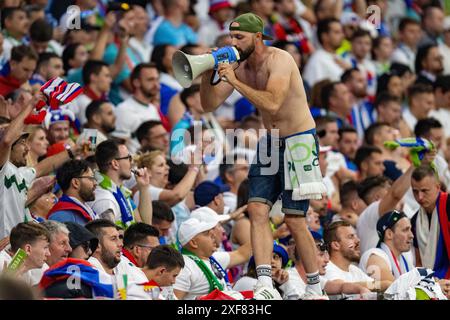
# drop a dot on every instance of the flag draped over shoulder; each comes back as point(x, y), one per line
point(100, 282)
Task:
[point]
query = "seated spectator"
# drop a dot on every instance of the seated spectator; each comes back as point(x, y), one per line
point(59, 125)
point(16, 73)
point(138, 241)
point(280, 276)
point(343, 244)
point(352, 204)
point(232, 174)
point(60, 248)
point(74, 57)
point(442, 99)
point(389, 110)
point(204, 270)
point(336, 99)
point(421, 102)
point(83, 242)
point(153, 136)
point(409, 37)
point(388, 261)
point(100, 115)
point(77, 181)
point(382, 52)
point(163, 221)
point(391, 83)
point(41, 37)
point(162, 267)
point(429, 64)
point(210, 194)
point(33, 238)
point(348, 145)
point(369, 161)
point(141, 105)
point(240, 232)
point(40, 198)
point(297, 274)
point(108, 255)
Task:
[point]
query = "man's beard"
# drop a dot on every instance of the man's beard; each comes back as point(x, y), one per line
point(87, 195)
point(244, 54)
point(352, 256)
point(107, 128)
point(124, 176)
point(148, 93)
point(110, 259)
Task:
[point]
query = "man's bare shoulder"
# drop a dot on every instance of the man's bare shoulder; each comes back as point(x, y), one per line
point(279, 58)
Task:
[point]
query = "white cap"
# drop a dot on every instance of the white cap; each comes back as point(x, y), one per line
point(207, 214)
point(447, 23)
point(192, 227)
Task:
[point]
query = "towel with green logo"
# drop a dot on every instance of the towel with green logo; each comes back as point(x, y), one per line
point(301, 168)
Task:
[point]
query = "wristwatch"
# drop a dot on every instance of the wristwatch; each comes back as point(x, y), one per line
point(69, 151)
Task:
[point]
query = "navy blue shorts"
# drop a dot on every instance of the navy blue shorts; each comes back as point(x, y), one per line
point(266, 175)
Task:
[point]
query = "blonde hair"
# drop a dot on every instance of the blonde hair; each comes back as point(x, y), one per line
point(32, 130)
point(147, 159)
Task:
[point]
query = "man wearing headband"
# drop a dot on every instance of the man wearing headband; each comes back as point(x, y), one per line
point(388, 261)
point(270, 79)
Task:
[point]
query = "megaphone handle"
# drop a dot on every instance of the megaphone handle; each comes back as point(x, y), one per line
point(212, 82)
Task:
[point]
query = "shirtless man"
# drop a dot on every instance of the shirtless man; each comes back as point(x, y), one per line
point(269, 78)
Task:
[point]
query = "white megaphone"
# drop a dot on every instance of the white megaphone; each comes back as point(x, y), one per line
point(187, 67)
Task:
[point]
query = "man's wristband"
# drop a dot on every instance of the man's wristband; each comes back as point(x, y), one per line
point(69, 152)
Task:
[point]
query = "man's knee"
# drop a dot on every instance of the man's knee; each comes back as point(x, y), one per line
point(258, 212)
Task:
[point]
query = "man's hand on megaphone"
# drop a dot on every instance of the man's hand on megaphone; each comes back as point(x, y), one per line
point(226, 73)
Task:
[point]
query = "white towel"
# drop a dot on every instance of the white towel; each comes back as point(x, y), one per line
point(427, 237)
point(301, 168)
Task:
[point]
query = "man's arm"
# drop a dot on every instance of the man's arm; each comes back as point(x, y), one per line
point(179, 294)
point(378, 269)
point(15, 128)
point(340, 287)
point(241, 255)
point(396, 192)
point(273, 97)
point(213, 96)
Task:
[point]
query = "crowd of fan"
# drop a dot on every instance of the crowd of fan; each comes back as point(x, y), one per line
point(159, 211)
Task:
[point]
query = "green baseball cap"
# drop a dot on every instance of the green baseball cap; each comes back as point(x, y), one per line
point(249, 22)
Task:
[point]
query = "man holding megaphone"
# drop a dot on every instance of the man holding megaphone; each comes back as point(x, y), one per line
point(269, 78)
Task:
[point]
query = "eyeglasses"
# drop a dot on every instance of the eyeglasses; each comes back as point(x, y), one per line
point(129, 157)
point(87, 177)
point(145, 246)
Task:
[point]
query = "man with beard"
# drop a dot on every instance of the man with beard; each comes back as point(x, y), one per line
point(139, 107)
point(343, 244)
point(113, 201)
point(100, 115)
point(78, 183)
point(269, 78)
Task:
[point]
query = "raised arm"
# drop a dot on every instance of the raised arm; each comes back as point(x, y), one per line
point(396, 192)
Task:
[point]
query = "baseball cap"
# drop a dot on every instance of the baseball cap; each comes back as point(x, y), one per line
point(23, 135)
point(215, 5)
point(192, 227)
point(79, 235)
point(206, 191)
point(279, 250)
point(249, 22)
point(209, 215)
point(387, 221)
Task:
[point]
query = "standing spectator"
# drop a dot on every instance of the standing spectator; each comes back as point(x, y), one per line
point(220, 14)
point(33, 238)
point(77, 181)
point(369, 160)
point(74, 57)
point(140, 106)
point(137, 43)
point(41, 35)
point(429, 64)
point(432, 24)
point(444, 47)
point(431, 240)
point(172, 30)
point(37, 144)
point(324, 63)
point(18, 70)
point(163, 220)
point(153, 136)
point(83, 242)
point(97, 83)
point(15, 24)
point(59, 242)
point(138, 241)
point(409, 33)
point(100, 116)
point(359, 57)
point(112, 200)
point(421, 102)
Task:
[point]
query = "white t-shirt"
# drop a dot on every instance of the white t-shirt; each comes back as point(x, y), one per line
point(32, 277)
point(298, 282)
point(321, 65)
point(377, 251)
point(135, 274)
point(104, 200)
point(15, 183)
point(354, 274)
point(155, 192)
point(230, 200)
point(366, 227)
point(79, 106)
point(192, 280)
point(130, 114)
point(335, 161)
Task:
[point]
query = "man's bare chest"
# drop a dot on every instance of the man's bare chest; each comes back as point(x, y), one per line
point(255, 79)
